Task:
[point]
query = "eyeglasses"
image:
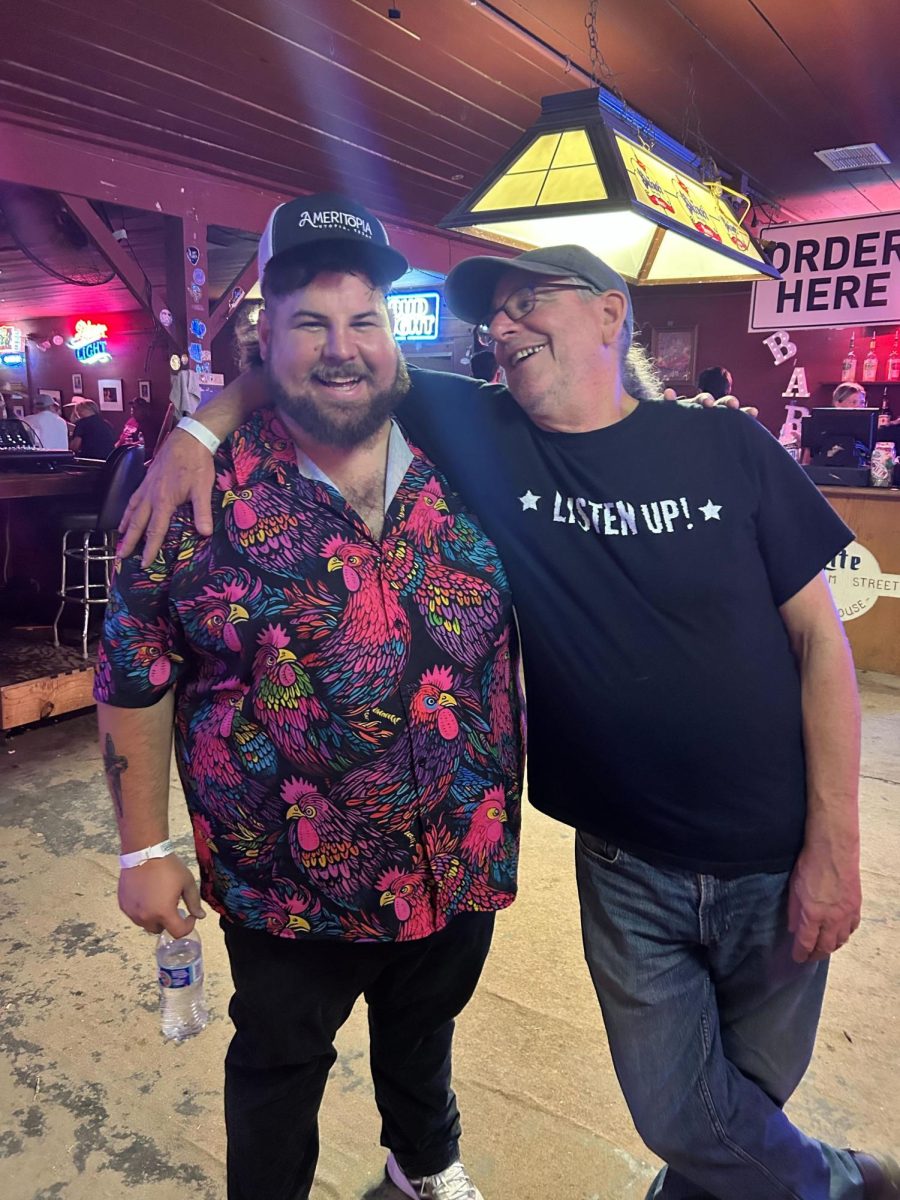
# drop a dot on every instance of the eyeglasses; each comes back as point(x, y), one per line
point(521, 302)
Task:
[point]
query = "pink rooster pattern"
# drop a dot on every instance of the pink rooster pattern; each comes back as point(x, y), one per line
point(221, 608)
point(362, 647)
point(300, 724)
point(348, 730)
point(460, 609)
point(271, 534)
point(443, 732)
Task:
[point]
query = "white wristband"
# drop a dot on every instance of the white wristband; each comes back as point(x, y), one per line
point(137, 857)
point(198, 430)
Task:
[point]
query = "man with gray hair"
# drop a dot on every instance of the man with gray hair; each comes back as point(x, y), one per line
point(692, 708)
point(48, 424)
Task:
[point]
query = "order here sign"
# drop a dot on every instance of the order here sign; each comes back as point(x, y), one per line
point(844, 272)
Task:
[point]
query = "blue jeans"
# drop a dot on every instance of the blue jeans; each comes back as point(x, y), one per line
point(711, 1026)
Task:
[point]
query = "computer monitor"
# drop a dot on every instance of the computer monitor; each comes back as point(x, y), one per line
point(840, 436)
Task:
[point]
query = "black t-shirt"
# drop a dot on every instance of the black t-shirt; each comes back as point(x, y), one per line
point(648, 560)
point(97, 439)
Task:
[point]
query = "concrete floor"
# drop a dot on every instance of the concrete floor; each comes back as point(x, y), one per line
point(94, 1104)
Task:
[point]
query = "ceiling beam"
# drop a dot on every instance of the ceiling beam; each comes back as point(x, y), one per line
point(117, 174)
point(148, 297)
point(227, 304)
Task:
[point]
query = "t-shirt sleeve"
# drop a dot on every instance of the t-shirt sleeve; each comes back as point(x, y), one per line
point(798, 530)
point(141, 651)
point(442, 411)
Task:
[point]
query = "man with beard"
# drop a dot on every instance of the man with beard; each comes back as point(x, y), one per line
point(339, 665)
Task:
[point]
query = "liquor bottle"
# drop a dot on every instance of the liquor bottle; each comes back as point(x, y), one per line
point(870, 364)
point(848, 366)
point(892, 374)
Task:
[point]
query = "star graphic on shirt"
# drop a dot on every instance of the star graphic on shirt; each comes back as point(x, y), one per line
point(529, 500)
point(711, 511)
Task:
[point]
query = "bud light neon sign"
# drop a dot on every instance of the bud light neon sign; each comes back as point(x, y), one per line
point(417, 316)
point(89, 343)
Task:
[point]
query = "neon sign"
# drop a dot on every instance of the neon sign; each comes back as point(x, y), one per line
point(89, 343)
point(416, 316)
point(10, 338)
point(11, 358)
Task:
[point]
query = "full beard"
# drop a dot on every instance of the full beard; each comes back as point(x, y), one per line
point(345, 428)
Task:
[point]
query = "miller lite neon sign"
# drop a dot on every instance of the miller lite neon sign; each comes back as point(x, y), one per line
point(89, 343)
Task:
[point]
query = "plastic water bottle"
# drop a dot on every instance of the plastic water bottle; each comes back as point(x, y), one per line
point(182, 1004)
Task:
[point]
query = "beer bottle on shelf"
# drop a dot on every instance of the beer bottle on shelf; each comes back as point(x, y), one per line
point(870, 364)
point(848, 366)
point(892, 374)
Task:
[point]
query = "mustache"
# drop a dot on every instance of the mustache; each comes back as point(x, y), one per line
point(330, 374)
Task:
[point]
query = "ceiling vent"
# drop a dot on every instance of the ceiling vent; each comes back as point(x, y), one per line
point(853, 158)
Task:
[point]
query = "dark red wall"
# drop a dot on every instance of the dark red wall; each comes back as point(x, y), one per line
point(134, 357)
point(721, 313)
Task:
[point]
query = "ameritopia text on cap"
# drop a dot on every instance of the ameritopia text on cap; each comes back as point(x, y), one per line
point(333, 218)
point(329, 217)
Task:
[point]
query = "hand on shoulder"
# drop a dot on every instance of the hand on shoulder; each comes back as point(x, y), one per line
point(181, 471)
point(705, 400)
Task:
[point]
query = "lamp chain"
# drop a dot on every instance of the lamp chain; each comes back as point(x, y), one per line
point(709, 171)
point(590, 24)
point(601, 72)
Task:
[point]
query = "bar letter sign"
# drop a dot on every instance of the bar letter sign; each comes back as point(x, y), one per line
point(844, 272)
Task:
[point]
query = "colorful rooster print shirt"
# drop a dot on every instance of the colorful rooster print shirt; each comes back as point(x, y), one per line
point(348, 724)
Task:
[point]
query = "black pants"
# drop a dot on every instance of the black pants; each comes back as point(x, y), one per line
point(291, 997)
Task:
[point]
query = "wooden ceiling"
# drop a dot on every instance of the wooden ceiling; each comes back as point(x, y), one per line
point(303, 95)
point(27, 291)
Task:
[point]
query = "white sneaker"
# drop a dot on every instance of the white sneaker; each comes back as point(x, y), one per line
point(452, 1184)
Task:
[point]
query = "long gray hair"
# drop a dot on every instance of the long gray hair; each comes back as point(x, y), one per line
point(640, 377)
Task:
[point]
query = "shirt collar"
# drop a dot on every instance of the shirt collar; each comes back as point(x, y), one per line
point(398, 460)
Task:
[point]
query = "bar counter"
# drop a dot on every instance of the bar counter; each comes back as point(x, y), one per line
point(36, 680)
point(865, 579)
point(32, 503)
point(67, 481)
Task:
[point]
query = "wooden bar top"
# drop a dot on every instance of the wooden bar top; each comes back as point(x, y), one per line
point(855, 493)
point(22, 485)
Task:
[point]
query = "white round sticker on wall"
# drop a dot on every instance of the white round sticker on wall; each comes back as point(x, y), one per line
point(857, 581)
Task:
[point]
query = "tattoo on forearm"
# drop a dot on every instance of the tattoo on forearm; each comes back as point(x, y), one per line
point(115, 766)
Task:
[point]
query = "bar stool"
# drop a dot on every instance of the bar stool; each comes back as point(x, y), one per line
point(89, 537)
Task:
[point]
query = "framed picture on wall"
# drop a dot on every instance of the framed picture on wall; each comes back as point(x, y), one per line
point(144, 389)
point(674, 351)
point(57, 396)
point(110, 395)
point(17, 410)
point(77, 384)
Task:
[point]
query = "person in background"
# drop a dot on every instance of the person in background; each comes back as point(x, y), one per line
point(91, 437)
point(849, 395)
point(142, 427)
point(483, 366)
point(716, 381)
point(48, 424)
point(131, 434)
